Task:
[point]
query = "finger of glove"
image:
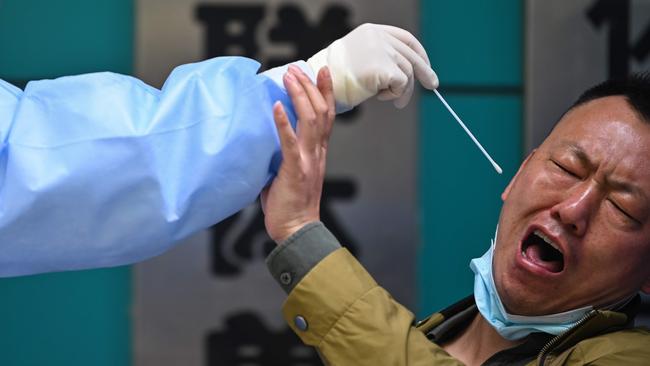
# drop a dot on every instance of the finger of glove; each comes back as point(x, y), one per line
point(401, 100)
point(407, 38)
point(423, 72)
point(394, 86)
point(399, 78)
point(404, 99)
point(314, 110)
point(407, 68)
point(385, 95)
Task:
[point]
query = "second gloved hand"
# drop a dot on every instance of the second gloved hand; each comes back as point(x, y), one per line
point(375, 59)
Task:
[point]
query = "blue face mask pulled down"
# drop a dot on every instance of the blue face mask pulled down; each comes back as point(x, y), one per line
point(509, 326)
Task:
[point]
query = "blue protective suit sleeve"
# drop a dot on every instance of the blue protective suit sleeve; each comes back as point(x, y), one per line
point(101, 169)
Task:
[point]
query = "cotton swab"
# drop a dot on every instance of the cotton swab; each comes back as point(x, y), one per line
point(478, 144)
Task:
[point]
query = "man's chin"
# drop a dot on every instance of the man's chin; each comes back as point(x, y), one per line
point(521, 301)
point(520, 307)
point(533, 305)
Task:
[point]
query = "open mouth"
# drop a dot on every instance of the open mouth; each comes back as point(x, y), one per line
point(542, 251)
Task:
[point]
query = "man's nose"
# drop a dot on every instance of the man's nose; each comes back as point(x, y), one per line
point(576, 208)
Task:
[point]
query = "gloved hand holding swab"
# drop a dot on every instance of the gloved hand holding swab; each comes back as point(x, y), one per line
point(494, 164)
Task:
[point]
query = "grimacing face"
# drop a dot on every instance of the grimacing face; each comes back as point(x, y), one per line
point(574, 229)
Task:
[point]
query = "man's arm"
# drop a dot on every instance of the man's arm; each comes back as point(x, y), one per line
point(337, 307)
point(333, 304)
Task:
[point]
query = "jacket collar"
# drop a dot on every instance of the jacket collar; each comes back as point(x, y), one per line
point(446, 324)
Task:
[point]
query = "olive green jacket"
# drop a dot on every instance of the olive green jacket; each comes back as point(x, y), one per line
point(335, 306)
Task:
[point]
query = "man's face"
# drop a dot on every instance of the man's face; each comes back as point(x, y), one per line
point(575, 224)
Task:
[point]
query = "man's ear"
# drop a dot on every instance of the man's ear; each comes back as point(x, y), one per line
point(506, 191)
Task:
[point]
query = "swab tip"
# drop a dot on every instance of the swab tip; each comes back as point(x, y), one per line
point(469, 133)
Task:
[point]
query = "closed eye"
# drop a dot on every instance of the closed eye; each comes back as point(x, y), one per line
point(621, 210)
point(565, 170)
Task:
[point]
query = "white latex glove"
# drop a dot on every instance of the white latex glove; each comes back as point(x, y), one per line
point(375, 59)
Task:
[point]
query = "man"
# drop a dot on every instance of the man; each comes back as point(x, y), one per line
point(559, 285)
point(102, 170)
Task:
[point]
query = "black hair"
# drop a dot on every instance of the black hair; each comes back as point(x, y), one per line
point(635, 88)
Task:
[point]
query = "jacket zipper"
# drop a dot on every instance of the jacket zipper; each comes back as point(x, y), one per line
point(554, 341)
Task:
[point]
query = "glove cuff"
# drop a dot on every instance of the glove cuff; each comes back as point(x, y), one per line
point(348, 92)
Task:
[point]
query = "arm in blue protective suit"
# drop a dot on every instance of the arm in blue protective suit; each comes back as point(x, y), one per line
point(101, 169)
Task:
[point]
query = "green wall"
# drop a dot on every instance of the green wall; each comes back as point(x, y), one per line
point(74, 318)
point(476, 47)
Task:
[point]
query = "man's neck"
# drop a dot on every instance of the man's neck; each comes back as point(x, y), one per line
point(478, 342)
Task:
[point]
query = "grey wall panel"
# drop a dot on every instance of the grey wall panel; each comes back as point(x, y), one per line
point(571, 45)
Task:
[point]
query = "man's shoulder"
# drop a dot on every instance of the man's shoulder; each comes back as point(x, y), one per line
point(626, 344)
